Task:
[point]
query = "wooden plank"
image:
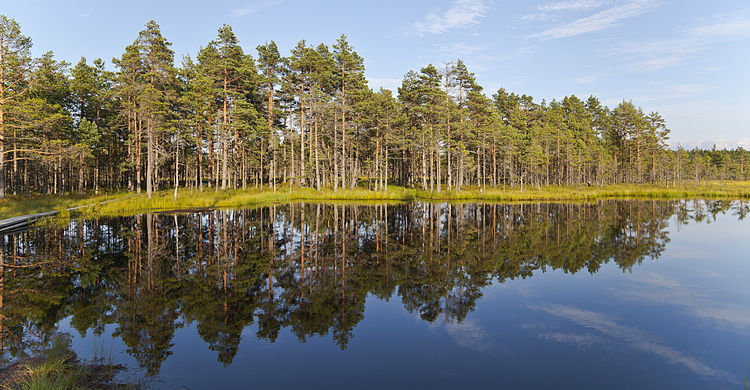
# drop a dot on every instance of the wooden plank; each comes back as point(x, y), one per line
point(14, 223)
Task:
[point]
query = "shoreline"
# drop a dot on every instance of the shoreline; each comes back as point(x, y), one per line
point(126, 203)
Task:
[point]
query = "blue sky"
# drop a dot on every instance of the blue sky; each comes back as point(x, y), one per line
point(687, 59)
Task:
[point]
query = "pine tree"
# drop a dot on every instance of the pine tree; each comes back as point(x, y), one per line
point(269, 62)
point(16, 67)
point(156, 95)
point(349, 75)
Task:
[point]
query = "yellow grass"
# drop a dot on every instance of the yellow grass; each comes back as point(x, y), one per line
point(126, 204)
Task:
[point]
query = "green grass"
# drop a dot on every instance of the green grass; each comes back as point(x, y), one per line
point(210, 198)
point(735, 190)
point(127, 204)
point(57, 367)
point(15, 205)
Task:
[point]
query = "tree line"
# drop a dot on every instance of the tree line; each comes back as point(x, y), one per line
point(230, 119)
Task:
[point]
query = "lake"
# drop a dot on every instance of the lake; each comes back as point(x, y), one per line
point(613, 294)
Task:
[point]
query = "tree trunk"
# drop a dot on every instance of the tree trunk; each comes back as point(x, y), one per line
point(80, 173)
point(199, 165)
point(2, 146)
point(343, 127)
point(335, 157)
point(317, 164)
point(137, 152)
point(302, 132)
point(150, 156)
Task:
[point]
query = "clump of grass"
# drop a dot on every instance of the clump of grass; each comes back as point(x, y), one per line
point(57, 367)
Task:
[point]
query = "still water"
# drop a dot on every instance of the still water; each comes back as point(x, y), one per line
point(614, 294)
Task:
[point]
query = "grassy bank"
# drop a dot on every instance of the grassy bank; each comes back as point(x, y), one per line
point(14, 205)
point(730, 190)
point(124, 204)
point(210, 198)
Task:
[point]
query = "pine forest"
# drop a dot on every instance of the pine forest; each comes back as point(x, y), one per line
point(229, 118)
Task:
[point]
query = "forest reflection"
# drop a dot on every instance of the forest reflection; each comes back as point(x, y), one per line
point(307, 268)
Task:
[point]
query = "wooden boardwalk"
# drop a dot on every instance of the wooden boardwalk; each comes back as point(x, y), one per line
point(20, 223)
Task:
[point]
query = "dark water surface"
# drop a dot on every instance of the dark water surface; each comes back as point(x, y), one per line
point(614, 294)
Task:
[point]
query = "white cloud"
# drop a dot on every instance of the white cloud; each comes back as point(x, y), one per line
point(540, 17)
point(657, 63)
point(661, 92)
point(571, 5)
point(724, 28)
point(485, 62)
point(599, 21)
point(587, 79)
point(251, 8)
point(466, 334)
point(665, 53)
point(461, 14)
point(469, 334)
point(580, 341)
point(551, 11)
point(480, 59)
point(660, 289)
point(633, 337)
point(459, 49)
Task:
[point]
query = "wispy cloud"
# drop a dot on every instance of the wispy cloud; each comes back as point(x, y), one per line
point(599, 21)
point(660, 289)
point(580, 341)
point(552, 11)
point(480, 58)
point(662, 92)
point(459, 49)
point(461, 14)
point(469, 334)
point(539, 17)
point(255, 6)
point(589, 78)
point(657, 62)
point(466, 334)
point(634, 337)
point(572, 5)
point(724, 28)
point(665, 53)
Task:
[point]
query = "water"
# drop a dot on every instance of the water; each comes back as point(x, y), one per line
point(615, 294)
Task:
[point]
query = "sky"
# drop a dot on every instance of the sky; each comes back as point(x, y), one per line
point(686, 59)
